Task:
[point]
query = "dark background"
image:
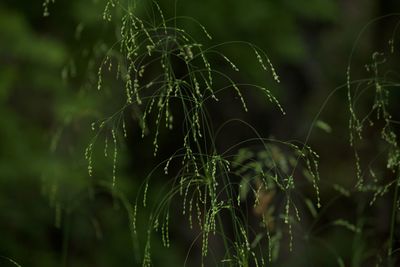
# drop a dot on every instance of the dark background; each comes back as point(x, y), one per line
point(49, 213)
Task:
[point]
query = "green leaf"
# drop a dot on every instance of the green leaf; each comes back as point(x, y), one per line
point(323, 126)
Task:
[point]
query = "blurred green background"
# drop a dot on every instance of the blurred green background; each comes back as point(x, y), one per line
point(53, 214)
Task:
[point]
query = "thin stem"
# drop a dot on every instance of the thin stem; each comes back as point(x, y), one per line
point(393, 223)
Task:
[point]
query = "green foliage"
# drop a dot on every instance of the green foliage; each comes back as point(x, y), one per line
point(158, 46)
point(176, 168)
point(378, 117)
